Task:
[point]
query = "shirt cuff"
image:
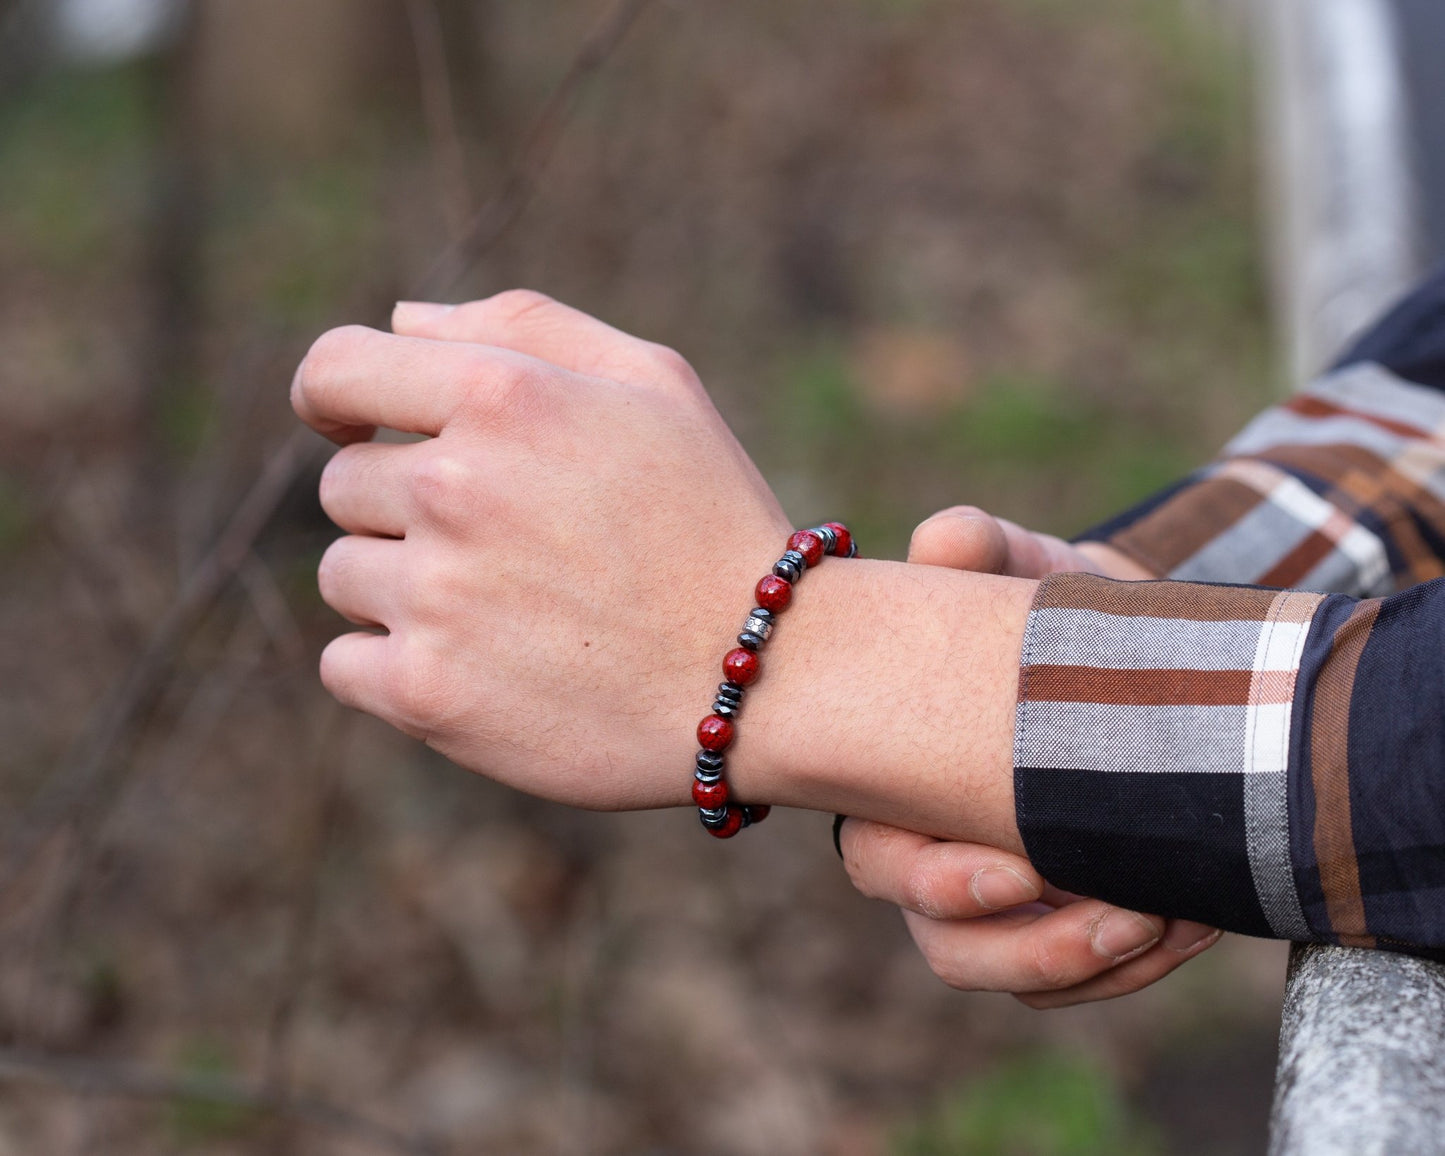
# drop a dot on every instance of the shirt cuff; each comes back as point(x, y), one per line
point(1153, 741)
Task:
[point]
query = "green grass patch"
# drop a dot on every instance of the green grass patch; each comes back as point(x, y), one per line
point(1047, 1103)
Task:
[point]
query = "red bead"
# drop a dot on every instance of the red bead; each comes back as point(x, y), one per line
point(845, 539)
point(774, 593)
point(742, 666)
point(758, 812)
point(714, 733)
point(731, 825)
point(710, 795)
point(809, 545)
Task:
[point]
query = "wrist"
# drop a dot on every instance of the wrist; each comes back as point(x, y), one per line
point(889, 693)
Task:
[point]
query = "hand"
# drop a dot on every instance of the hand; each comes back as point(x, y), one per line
point(560, 567)
point(552, 568)
point(986, 920)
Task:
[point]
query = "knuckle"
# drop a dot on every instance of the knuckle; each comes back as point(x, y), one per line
point(670, 364)
point(948, 969)
point(444, 488)
point(500, 388)
point(434, 591)
point(921, 888)
point(512, 305)
point(420, 690)
point(331, 352)
point(334, 477)
point(331, 571)
point(1046, 966)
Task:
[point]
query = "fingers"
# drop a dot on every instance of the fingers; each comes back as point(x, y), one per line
point(354, 379)
point(937, 879)
point(364, 489)
point(351, 669)
point(540, 327)
point(1182, 942)
point(360, 579)
point(1020, 953)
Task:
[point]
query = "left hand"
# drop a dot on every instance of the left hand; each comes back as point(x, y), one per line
point(557, 566)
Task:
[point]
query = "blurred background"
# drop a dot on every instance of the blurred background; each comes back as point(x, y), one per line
point(922, 251)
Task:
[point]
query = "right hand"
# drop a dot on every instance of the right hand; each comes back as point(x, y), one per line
point(985, 920)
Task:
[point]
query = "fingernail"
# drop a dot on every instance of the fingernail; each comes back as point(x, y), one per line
point(419, 312)
point(997, 887)
point(1185, 936)
point(1120, 934)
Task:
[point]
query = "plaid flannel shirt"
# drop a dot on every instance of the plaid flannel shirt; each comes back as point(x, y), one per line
point(1270, 761)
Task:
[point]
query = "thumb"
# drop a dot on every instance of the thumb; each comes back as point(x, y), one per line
point(960, 538)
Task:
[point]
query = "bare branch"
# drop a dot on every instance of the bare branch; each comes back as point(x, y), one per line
point(441, 121)
point(496, 217)
point(112, 724)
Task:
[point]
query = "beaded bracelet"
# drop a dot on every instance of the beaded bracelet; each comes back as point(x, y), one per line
point(741, 667)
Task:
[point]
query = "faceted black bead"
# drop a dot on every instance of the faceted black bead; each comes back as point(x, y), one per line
point(759, 612)
point(714, 821)
point(724, 709)
point(796, 558)
point(785, 570)
point(750, 640)
point(731, 691)
point(709, 761)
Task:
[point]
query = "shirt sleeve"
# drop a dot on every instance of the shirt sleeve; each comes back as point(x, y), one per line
point(1267, 761)
point(1341, 489)
point(1270, 761)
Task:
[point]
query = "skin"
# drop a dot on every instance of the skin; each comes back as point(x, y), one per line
point(546, 583)
point(984, 920)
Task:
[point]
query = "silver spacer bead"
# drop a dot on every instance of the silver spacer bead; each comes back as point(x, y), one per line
point(759, 626)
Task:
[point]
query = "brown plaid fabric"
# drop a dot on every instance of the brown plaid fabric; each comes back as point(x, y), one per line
point(1268, 758)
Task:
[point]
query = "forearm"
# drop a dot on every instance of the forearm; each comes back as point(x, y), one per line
point(889, 693)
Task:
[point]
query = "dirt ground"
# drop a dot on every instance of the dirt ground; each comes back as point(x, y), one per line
point(922, 251)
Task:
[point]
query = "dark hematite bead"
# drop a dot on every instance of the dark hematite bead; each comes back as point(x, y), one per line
point(785, 570)
point(750, 640)
point(726, 827)
point(724, 709)
point(796, 558)
point(709, 761)
point(730, 690)
point(759, 612)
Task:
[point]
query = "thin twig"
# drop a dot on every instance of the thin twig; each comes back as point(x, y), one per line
point(112, 722)
point(306, 907)
point(435, 79)
point(138, 1081)
point(497, 216)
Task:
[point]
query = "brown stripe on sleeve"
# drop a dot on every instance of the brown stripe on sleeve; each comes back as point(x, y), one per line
point(1158, 687)
point(1330, 772)
point(1363, 480)
point(1307, 405)
point(1185, 600)
point(1290, 569)
point(1167, 537)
